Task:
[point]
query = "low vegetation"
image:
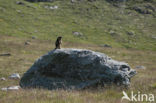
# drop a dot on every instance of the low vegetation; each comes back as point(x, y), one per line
point(101, 22)
point(131, 33)
point(23, 56)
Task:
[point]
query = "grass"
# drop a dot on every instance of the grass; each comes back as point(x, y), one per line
point(23, 56)
point(99, 21)
point(96, 20)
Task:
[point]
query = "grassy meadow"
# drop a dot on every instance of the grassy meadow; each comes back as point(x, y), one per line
point(100, 22)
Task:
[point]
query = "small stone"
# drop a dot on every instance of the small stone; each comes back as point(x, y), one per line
point(91, 0)
point(73, 1)
point(4, 89)
point(106, 45)
point(27, 43)
point(140, 67)
point(2, 79)
point(13, 88)
point(130, 33)
point(51, 7)
point(19, 11)
point(153, 37)
point(77, 33)
point(22, 15)
point(36, 31)
point(33, 37)
point(5, 54)
point(46, 7)
point(15, 76)
point(113, 33)
point(19, 3)
point(40, 0)
point(145, 8)
point(2, 9)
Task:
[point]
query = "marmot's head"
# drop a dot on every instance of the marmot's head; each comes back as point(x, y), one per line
point(59, 38)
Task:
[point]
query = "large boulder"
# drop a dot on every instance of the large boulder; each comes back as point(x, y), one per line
point(76, 69)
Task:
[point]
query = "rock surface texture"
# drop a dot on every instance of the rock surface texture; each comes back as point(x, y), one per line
point(76, 69)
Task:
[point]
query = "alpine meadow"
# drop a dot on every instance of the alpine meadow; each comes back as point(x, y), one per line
point(125, 30)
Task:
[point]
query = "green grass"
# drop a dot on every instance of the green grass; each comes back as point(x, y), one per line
point(99, 21)
point(96, 20)
point(23, 56)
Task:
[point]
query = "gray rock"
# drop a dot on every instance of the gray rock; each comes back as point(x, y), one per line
point(51, 7)
point(5, 54)
point(36, 31)
point(19, 3)
point(141, 10)
point(140, 67)
point(145, 8)
point(117, 0)
point(40, 0)
point(79, 34)
point(106, 45)
point(14, 76)
point(27, 43)
point(33, 37)
point(19, 11)
point(2, 79)
point(76, 68)
point(73, 1)
point(131, 33)
point(91, 0)
point(4, 89)
point(153, 37)
point(11, 88)
point(113, 33)
point(2, 9)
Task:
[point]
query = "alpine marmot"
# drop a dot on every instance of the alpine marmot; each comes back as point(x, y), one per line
point(58, 42)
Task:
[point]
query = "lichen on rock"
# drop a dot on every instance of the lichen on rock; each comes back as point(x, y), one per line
point(76, 68)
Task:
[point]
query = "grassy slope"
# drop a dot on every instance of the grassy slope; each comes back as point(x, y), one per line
point(96, 24)
point(96, 20)
point(24, 56)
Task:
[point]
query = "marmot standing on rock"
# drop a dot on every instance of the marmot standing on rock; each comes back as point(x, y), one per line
point(58, 42)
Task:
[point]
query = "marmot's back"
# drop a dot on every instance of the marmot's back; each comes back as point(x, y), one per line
point(58, 43)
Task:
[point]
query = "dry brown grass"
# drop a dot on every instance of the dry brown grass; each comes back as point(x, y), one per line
point(23, 56)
